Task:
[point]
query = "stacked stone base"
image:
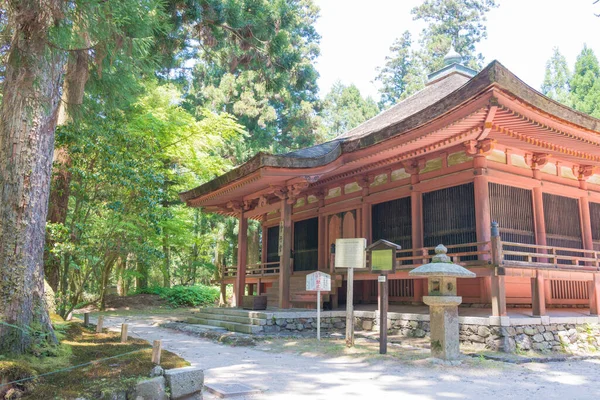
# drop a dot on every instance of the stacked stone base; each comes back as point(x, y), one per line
point(559, 334)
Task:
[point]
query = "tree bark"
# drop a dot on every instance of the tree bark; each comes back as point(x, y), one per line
point(167, 261)
point(31, 95)
point(73, 91)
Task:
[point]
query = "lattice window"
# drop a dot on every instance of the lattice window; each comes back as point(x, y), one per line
point(563, 229)
point(273, 244)
point(595, 219)
point(449, 217)
point(512, 208)
point(569, 290)
point(306, 245)
point(392, 221)
point(404, 288)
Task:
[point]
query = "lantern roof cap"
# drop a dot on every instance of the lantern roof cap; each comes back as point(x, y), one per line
point(441, 265)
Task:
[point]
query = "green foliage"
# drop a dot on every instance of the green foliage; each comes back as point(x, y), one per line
point(458, 23)
point(402, 75)
point(344, 108)
point(556, 79)
point(264, 75)
point(184, 296)
point(585, 83)
point(191, 296)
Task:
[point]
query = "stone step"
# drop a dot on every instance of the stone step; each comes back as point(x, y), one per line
point(236, 312)
point(230, 326)
point(230, 318)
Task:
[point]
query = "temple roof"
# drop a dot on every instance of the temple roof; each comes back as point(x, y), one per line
point(435, 100)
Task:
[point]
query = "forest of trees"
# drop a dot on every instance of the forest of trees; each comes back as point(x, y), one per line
point(110, 109)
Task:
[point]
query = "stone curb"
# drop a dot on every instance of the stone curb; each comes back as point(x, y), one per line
point(526, 360)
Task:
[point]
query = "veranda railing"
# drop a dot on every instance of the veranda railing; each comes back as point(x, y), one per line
point(512, 254)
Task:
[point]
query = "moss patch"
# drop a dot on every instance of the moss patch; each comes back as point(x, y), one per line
point(81, 345)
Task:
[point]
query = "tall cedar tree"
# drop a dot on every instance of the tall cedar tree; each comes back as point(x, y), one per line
point(344, 108)
point(272, 92)
point(585, 83)
point(460, 23)
point(557, 78)
point(31, 95)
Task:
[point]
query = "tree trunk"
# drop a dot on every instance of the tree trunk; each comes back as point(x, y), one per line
point(31, 95)
point(167, 261)
point(72, 97)
point(141, 280)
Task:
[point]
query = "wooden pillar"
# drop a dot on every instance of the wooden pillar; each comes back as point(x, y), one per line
point(263, 254)
point(538, 212)
point(366, 209)
point(285, 259)
point(242, 254)
point(482, 221)
point(594, 291)
point(322, 249)
point(586, 223)
point(498, 284)
point(538, 294)
point(416, 208)
point(482, 201)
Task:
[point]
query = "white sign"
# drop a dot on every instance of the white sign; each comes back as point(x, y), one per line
point(318, 281)
point(381, 278)
point(350, 253)
point(280, 246)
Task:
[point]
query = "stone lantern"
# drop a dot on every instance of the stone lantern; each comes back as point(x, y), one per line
point(443, 302)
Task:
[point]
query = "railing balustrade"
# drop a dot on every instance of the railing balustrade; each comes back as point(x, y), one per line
point(524, 255)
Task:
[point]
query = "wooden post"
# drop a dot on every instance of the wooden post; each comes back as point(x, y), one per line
point(538, 294)
point(319, 315)
point(242, 254)
point(156, 349)
point(498, 281)
point(586, 224)
point(538, 212)
point(595, 295)
point(124, 333)
point(350, 309)
point(86, 319)
point(416, 207)
point(100, 323)
point(285, 257)
point(383, 312)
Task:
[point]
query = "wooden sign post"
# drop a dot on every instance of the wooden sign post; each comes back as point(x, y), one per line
point(350, 253)
point(383, 311)
point(318, 281)
point(383, 260)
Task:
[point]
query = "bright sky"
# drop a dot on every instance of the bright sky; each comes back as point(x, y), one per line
point(356, 36)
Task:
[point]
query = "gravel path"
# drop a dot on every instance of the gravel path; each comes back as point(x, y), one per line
point(289, 376)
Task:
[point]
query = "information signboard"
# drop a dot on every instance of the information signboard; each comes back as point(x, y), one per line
point(350, 253)
point(280, 246)
point(382, 260)
point(318, 281)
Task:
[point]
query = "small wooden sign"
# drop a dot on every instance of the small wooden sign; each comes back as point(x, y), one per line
point(383, 256)
point(318, 281)
point(280, 247)
point(381, 279)
point(350, 253)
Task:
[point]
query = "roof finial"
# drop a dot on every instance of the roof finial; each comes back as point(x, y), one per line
point(452, 57)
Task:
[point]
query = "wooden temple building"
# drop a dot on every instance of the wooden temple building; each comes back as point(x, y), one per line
point(439, 167)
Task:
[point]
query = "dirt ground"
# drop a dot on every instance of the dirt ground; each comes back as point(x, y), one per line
point(305, 368)
point(138, 302)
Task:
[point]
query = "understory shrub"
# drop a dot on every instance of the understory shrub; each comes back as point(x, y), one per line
point(191, 296)
point(184, 296)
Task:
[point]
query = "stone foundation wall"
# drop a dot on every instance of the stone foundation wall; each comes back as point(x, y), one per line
point(560, 334)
